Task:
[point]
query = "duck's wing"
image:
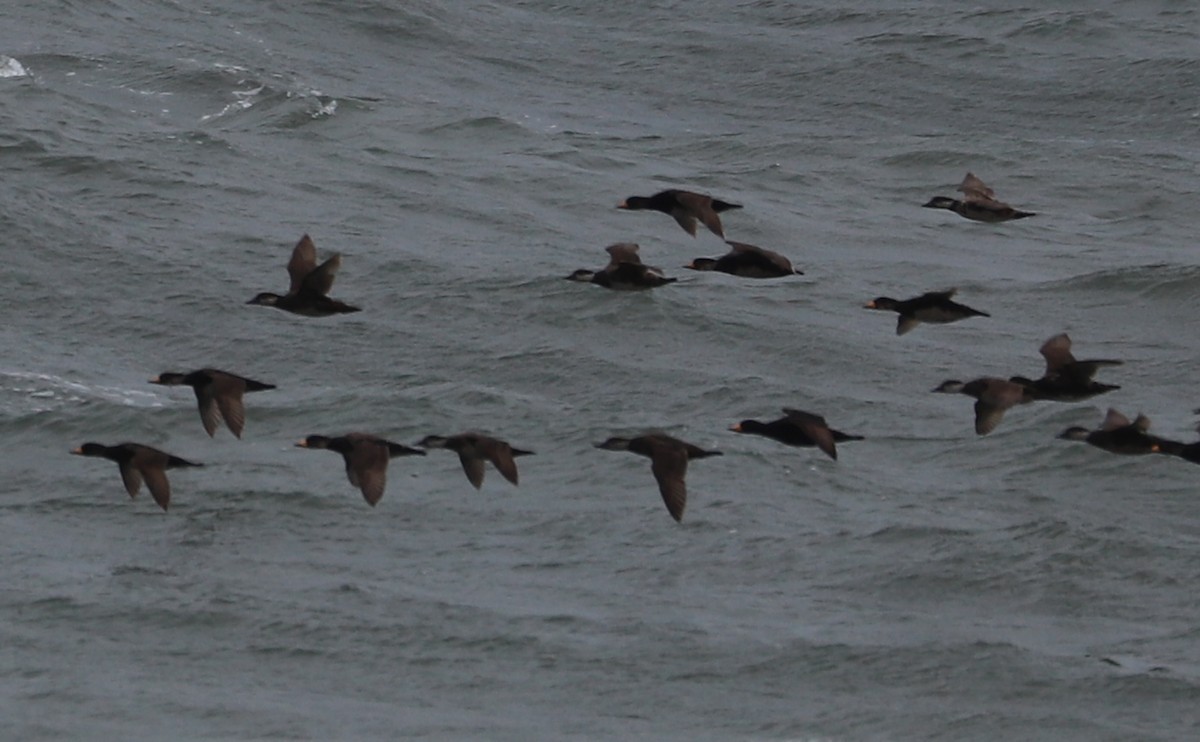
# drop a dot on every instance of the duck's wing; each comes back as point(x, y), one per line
point(157, 483)
point(976, 190)
point(366, 467)
point(987, 417)
point(472, 467)
point(1057, 352)
point(303, 262)
point(815, 427)
point(320, 280)
point(210, 415)
point(697, 206)
point(1114, 420)
point(131, 477)
point(623, 252)
point(501, 456)
point(1142, 423)
point(669, 466)
point(906, 324)
point(227, 390)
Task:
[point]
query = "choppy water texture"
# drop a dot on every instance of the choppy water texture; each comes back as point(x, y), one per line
point(161, 158)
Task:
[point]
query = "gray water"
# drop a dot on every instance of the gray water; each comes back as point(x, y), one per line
point(160, 159)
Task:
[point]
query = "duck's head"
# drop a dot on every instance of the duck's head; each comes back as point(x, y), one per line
point(583, 274)
point(169, 378)
point(940, 202)
point(91, 449)
point(432, 441)
point(266, 299)
point(313, 441)
point(615, 444)
point(1074, 433)
point(702, 264)
point(949, 386)
point(881, 302)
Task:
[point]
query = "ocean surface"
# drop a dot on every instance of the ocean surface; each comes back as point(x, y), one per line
point(160, 160)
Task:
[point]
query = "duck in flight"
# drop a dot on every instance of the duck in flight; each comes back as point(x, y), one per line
point(624, 272)
point(798, 428)
point(1066, 379)
point(218, 394)
point(934, 307)
point(366, 457)
point(308, 294)
point(685, 207)
point(747, 261)
point(668, 462)
point(139, 463)
point(978, 203)
point(474, 449)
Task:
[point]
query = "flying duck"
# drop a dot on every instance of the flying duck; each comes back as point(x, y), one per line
point(366, 458)
point(139, 463)
point(219, 395)
point(993, 396)
point(685, 207)
point(668, 461)
point(798, 428)
point(979, 203)
point(308, 293)
point(624, 272)
point(474, 449)
point(1066, 379)
point(747, 261)
point(933, 307)
point(1117, 435)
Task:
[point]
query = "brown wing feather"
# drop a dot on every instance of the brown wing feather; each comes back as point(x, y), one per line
point(320, 280)
point(623, 252)
point(132, 478)
point(473, 468)
point(501, 456)
point(815, 427)
point(1057, 352)
point(669, 466)
point(987, 417)
point(210, 416)
point(1114, 420)
point(303, 262)
point(228, 390)
point(975, 189)
point(156, 482)
point(367, 463)
point(699, 207)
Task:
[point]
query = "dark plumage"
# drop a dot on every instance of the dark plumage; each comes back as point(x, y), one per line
point(138, 463)
point(366, 459)
point(979, 203)
point(1117, 435)
point(668, 461)
point(624, 272)
point(474, 449)
point(747, 261)
point(993, 396)
point(685, 207)
point(310, 285)
point(1066, 379)
point(798, 428)
point(219, 395)
point(933, 307)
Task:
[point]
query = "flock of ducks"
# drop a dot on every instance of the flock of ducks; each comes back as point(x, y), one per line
point(219, 394)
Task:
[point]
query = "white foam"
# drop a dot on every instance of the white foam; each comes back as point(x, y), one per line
point(10, 67)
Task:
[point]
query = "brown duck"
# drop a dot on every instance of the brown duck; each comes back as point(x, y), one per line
point(934, 307)
point(798, 428)
point(218, 394)
point(747, 261)
point(668, 462)
point(139, 463)
point(993, 397)
point(366, 458)
point(474, 449)
point(978, 203)
point(685, 207)
point(624, 272)
point(310, 284)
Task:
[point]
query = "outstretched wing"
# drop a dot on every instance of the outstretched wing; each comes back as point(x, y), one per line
point(304, 260)
point(669, 467)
